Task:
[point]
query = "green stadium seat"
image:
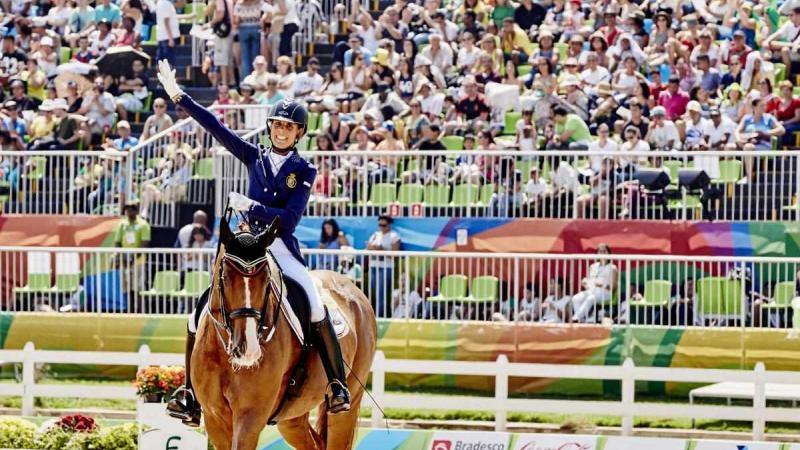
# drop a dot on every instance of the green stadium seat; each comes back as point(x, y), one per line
point(730, 171)
point(719, 298)
point(382, 194)
point(692, 202)
point(194, 284)
point(487, 190)
point(165, 283)
point(64, 55)
point(796, 314)
point(562, 48)
point(451, 288)
point(453, 142)
point(437, 195)
point(204, 169)
point(656, 293)
point(314, 122)
point(410, 193)
point(147, 106)
point(673, 166)
point(37, 283)
point(465, 195)
point(151, 41)
point(524, 166)
point(38, 168)
point(510, 121)
point(780, 72)
point(66, 283)
point(782, 295)
point(484, 289)
point(524, 69)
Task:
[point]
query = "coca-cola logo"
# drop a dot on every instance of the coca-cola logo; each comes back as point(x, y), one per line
point(565, 446)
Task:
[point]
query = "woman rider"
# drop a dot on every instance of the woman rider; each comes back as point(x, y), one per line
point(280, 185)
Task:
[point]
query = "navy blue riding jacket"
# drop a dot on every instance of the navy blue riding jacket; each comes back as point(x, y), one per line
point(285, 195)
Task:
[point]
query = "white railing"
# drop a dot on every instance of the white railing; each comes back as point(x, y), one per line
point(29, 357)
point(740, 185)
point(627, 407)
point(652, 290)
point(64, 182)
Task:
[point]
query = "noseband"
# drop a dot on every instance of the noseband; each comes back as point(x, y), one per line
point(248, 269)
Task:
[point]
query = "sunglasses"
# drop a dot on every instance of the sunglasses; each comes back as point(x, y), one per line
point(383, 224)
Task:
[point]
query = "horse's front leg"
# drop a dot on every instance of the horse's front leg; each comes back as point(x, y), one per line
point(298, 433)
point(247, 426)
point(220, 430)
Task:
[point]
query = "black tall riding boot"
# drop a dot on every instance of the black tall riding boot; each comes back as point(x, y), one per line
point(183, 404)
point(331, 355)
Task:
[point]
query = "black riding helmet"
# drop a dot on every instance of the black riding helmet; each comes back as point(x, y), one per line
point(289, 110)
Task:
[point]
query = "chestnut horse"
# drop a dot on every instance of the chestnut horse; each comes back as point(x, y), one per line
point(246, 351)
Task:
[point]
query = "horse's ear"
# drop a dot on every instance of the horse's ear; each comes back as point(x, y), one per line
point(225, 233)
point(267, 237)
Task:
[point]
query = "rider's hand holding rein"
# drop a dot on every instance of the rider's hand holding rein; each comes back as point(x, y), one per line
point(239, 202)
point(166, 76)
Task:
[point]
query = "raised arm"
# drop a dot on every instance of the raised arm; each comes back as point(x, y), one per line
point(241, 149)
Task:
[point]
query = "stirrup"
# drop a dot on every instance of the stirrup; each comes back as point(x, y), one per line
point(339, 400)
point(184, 406)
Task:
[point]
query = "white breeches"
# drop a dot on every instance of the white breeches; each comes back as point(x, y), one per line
point(292, 268)
point(583, 303)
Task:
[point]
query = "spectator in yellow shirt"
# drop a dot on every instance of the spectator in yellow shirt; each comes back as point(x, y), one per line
point(43, 124)
point(515, 43)
point(36, 79)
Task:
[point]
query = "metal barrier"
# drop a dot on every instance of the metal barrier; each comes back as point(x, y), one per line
point(736, 185)
point(63, 182)
point(659, 290)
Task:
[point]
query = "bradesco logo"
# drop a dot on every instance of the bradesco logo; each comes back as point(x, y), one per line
point(469, 441)
point(441, 445)
point(555, 442)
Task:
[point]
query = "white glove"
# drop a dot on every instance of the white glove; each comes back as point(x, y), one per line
point(239, 202)
point(166, 76)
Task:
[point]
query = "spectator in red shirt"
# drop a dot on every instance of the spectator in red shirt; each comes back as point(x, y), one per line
point(674, 100)
point(787, 110)
point(737, 49)
point(472, 107)
point(610, 30)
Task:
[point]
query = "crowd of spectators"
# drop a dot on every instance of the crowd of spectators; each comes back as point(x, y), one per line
point(614, 76)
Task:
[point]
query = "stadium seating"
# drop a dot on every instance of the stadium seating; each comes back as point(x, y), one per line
point(165, 283)
point(719, 298)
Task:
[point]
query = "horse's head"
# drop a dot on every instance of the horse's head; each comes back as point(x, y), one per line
point(244, 283)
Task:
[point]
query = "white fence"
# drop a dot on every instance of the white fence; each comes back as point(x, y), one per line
point(735, 185)
point(627, 407)
point(63, 182)
point(548, 288)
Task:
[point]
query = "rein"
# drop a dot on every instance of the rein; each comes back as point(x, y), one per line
point(247, 270)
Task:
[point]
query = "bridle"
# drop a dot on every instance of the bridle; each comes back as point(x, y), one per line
point(273, 294)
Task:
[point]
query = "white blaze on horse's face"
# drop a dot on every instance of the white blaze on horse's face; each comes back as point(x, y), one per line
point(252, 353)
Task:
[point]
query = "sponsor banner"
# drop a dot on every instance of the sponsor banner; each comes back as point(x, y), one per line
point(469, 440)
point(555, 442)
point(650, 443)
point(736, 445)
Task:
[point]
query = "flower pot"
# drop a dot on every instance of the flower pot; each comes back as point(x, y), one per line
point(153, 398)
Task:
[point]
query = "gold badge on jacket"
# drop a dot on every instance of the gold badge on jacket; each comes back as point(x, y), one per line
point(291, 181)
